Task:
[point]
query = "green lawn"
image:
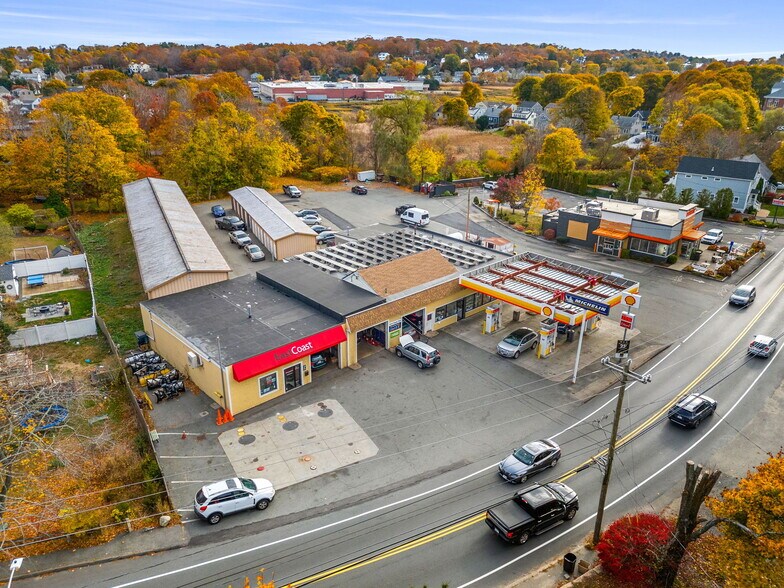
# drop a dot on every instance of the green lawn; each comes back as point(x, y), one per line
point(81, 305)
point(50, 241)
point(118, 287)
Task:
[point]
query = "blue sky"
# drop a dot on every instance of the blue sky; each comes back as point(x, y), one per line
point(720, 28)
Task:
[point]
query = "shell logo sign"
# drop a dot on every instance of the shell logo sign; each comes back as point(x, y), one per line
point(632, 300)
point(548, 311)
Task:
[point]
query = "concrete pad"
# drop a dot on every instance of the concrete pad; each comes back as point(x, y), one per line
point(322, 442)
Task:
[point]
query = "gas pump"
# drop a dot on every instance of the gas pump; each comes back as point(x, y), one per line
point(492, 318)
point(592, 324)
point(547, 331)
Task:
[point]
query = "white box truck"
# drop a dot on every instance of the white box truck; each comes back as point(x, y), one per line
point(366, 176)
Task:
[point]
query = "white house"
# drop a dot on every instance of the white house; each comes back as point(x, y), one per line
point(382, 56)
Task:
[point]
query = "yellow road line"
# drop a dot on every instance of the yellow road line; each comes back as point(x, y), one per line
point(659, 413)
point(394, 551)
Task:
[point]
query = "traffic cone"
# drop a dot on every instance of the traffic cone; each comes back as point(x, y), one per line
point(228, 417)
point(219, 419)
point(184, 435)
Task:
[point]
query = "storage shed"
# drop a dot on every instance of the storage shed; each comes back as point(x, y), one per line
point(174, 250)
point(279, 230)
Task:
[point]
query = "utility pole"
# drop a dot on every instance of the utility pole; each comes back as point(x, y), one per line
point(625, 370)
point(468, 213)
point(631, 175)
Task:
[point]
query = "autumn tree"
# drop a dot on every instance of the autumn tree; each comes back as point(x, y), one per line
point(632, 547)
point(555, 86)
point(456, 111)
point(526, 89)
point(467, 168)
point(396, 127)
point(52, 87)
point(370, 74)
point(777, 161)
point(560, 151)
point(319, 135)
point(653, 85)
point(531, 190)
point(626, 99)
point(613, 80)
point(101, 77)
point(451, 63)
point(471, 93)
point(585, 107)
point(526, 148)
point(425, 161)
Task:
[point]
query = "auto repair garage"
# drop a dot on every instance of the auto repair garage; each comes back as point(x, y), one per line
point(278, 229)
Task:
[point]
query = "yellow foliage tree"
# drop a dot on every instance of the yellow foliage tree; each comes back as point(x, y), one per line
point(471, 93)
point(425, 160)
point(560, 151)
point(468, 168)
point(777, 161)
point(531, 189)
point(625, 99)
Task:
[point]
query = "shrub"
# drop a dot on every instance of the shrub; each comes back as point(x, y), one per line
point(562, 240)
point(20, 215)
point(689, 268)
point(80, 523)
point(713, 247)
point(759, 245)
point(725, 270)
point(477, 202)
point(672, 259)
point(625, 253)
point(56, 203)
point(631, 549)
point(330, 173)
point(41, 227)
point(549, 234)
point(735, 264)
point(709, 273)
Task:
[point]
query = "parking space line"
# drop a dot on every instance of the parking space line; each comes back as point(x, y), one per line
point(189, 456)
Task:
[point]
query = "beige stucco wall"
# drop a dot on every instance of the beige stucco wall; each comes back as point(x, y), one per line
point(187, 281)
point(295, 244)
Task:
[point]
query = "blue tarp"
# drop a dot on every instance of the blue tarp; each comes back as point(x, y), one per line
point(35, 280)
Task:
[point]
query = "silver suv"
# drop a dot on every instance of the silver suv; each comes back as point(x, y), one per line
point(219, 499)
point(423, 354)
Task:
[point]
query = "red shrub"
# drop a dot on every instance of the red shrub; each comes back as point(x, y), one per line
point(631, 548)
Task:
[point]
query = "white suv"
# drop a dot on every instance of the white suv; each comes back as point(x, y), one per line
point(219, 499)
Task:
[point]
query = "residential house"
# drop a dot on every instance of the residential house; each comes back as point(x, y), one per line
point(135, 68)
point(745, 177)
point(776, 97)
point(648, 228)
point(628, 125)
point(383, 56)
point(481, 56)
point(492, 110)
point(527, 113)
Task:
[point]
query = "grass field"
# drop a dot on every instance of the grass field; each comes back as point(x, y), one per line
point(118, 287)
point(467, 144)
point(80, 300)
point(51, 241)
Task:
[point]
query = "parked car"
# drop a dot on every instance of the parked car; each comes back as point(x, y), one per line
point(763, 346)
point(692, 410)
point(490, 185)
point(532, 511)
point(516, 342)
point(780, 185)
point(361, 190)
point(743, 295)
point(423, 354)
point(403, 207)
point(254, 252)
point(218, 211)
point(240, 238)
point(214, 501)
point(712, 237)
point(310, 219)
point(230, 223)
point(306, 212)
point(320, 229)
point(318, 361)
point(416, 216)
point(325, 238)
point(529, 459)
point(292, 191)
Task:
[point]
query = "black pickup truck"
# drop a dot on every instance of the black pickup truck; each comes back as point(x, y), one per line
point(533, 510)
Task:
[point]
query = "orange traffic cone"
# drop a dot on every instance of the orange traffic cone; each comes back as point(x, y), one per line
point(228, 417)
point(219, 419)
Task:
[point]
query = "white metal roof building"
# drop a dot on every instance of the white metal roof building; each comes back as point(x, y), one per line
point(279, 229)
point(174, 250)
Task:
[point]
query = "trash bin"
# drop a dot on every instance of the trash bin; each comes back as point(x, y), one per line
point(516, 316)
point(569, 562)
point(569, 334)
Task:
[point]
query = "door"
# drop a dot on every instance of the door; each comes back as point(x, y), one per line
point(242, 500)
point(460, 310)
point(292, 376)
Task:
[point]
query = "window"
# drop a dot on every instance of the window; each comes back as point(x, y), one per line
point(716, 179)
point(468, 302)
point(444, 312)
point(704, 177)
point(651, 247)
point(688, 175)
point(268, 383)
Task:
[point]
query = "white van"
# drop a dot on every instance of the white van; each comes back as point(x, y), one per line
point(416, 216)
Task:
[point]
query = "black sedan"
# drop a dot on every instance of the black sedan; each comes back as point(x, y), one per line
point(692, 410)
point(361, 190)
point(320, 229)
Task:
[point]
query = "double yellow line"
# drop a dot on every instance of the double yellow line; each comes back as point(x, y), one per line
point(480, 517)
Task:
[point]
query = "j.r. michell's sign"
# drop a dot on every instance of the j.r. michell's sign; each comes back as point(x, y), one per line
point(269, 360)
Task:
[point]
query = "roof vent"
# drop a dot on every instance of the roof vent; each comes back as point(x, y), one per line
point(713, 169)
point(650, 214)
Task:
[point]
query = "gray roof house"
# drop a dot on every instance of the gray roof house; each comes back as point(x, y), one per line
point(492, 110)
point(628, 125)
point(531, 114)
point(174, 250)
point(742, 176)
point(776, 97)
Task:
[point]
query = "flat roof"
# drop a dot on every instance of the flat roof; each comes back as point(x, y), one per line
point(168, 237)
point(666, 217)
point(276, 220)
point(335, 298)
point(220, 310)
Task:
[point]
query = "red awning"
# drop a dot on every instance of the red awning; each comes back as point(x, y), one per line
point(269, 360)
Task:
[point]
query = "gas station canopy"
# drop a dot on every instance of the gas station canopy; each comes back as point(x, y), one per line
point(543, 285)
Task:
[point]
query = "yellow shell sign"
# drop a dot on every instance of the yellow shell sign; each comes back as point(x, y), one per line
point(632, 300)
point(548, 311)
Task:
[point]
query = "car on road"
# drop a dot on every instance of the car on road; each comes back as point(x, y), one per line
point(743, 295)
point(529, 459)
point(712, 237)
point(320, 229)
point(421, 353)
point(325, 238)
point(490, 185)
point(361, 190)
point(254, 252)
point(516, 342)
point(292, 191)
point(402, 208)
point(306, 212)
point(532, 511)
point(692, 410)
point(311, 219)
point(240, 238)
point(215, 501)
point(230, 223)
point(218, 211)
point(762, 346)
